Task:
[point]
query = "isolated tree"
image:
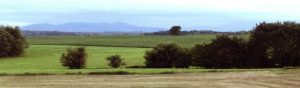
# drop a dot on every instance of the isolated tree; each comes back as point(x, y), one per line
point(115, 61)
point(19, 43)
point(74, 58)
point(12, 40)
point(175, 30)
point(167, 56)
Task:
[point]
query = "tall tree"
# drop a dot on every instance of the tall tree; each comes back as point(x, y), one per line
point(280, 41)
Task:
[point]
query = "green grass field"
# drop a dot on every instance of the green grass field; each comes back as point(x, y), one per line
point(121, 41)
point(44, 59)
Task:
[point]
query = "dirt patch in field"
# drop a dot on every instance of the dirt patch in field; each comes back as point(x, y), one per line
point(262, 79)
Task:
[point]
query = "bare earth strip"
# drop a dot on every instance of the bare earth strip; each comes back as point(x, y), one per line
point(262, 79)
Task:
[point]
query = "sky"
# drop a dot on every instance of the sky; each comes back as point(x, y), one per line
point(156, 13)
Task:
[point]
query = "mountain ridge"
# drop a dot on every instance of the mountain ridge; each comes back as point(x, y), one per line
point(91, 27)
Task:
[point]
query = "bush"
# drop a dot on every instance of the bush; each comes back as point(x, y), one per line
point(5, 43)
point(223, 52)
point(167, 56)
point(12, 42)
point(115, 61)
point(74, 58)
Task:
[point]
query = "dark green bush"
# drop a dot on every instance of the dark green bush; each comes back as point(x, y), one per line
point(223, 52)
point(115, 61)
point(167, 56)
point(12, 43)
point(5, 43)
point(74, 58)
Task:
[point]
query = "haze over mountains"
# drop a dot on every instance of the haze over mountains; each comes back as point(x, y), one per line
point(91, 27)
point(125, 27)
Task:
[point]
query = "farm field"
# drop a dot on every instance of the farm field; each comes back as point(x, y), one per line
point(249, 79)
point(123, 41)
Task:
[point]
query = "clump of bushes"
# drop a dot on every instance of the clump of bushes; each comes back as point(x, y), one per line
point(12, 43)
point(223, 52)
point(167, 56)
point(74, 58)
point(115, 61)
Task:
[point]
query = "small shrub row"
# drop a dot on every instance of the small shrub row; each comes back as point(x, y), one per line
point(75, 58)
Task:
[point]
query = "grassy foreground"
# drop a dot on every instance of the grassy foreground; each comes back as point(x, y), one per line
point(44, 59)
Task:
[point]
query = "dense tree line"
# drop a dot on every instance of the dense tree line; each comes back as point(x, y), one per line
point(279, 42)
point(177, 30)
point(12, 43)
point(270, 45)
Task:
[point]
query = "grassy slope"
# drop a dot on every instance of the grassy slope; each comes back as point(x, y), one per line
point(121, 41)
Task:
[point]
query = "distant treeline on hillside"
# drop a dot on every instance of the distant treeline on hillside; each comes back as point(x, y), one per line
point(58, 33)
point(198, 32)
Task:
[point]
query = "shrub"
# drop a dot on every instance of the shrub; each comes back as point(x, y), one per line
point(115, 61)
point(5, 43)
point(12, 42)
point(223, 52)
point(167, 56)
point(74, 58)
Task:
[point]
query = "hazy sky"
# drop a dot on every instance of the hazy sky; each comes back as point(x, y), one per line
point(159, 13)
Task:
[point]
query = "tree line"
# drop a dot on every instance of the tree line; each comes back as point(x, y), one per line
point(270, 45)
point(177, 30)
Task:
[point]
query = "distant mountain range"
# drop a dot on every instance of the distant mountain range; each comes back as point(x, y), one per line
point(91, 27)
point(125, 27)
